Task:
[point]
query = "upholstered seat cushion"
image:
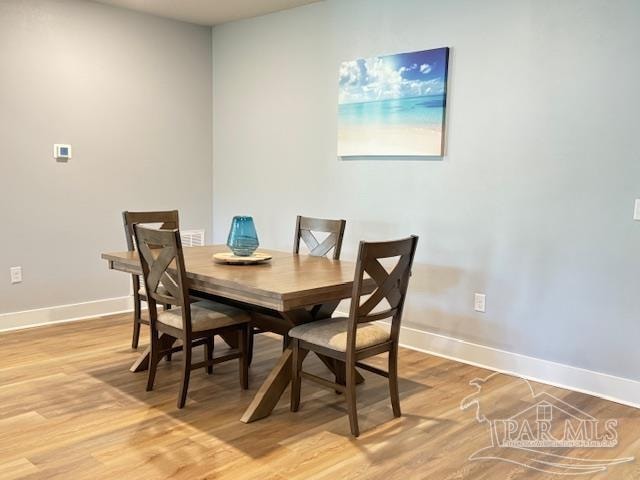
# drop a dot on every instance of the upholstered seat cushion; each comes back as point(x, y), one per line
point(143, 291)
point(205, 315)
point(332, 333)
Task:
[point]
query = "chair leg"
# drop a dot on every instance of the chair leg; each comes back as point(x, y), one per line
point(340, 373)
point(154, 345)
point(186, 371)
point(243, 345)
point(136, 322)
point(250, 345)
point(393, 381)
point(351, 399)
point(167, 307)
point(296, 377)
point(209, 352)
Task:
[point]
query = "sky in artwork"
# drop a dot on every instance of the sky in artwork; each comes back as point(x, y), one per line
point(387, 77)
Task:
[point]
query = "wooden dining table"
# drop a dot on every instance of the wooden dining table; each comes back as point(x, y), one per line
point(289, 290)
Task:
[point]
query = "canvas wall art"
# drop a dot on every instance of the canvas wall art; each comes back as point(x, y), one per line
point(393, 105)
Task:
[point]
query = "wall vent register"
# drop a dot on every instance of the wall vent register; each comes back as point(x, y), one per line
point(192, 238)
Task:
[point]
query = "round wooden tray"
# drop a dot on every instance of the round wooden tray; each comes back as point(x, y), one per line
point(230, 258)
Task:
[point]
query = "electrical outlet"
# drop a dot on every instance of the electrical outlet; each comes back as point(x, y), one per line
point(636, 210)
point(479, 302)
point(16, 274)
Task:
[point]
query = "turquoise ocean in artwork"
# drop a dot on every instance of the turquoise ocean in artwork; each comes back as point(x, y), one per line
point(426, 110)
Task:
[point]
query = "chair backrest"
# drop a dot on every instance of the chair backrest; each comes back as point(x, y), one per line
point(390, 285)
point(163, 269)
point(168, 220)
point(305, 226)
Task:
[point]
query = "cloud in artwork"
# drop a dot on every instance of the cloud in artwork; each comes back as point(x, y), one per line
point(388, 77)
point(349, 73)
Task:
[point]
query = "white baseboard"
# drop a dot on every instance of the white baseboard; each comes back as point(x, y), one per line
point(609, 387)
point(64, 313)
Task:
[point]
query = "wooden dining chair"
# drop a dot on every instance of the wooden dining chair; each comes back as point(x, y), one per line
point(167, 220)
point(165, 279)
point(305, 228)
point(352, 339)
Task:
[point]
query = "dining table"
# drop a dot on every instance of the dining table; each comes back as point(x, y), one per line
point(288, 290)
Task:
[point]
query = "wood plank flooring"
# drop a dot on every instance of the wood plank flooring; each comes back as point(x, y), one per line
point(70, 409)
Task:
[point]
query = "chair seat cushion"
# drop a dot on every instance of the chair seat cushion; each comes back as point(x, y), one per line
point(143, 291)
point(332, 333)
point(205, 315)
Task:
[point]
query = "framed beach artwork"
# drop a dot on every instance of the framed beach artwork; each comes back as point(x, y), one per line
point(393, 105)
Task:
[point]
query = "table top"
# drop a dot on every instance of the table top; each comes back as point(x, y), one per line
point(287, 282)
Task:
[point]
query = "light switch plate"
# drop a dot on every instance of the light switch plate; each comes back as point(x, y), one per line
point(61, 151)
point(16, 274)
point(479, 302)
point(636, 210)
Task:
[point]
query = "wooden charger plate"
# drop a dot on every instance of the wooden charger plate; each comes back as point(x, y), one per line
point(230, 258)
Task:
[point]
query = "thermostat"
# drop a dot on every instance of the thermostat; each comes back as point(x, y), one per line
point(61, 151)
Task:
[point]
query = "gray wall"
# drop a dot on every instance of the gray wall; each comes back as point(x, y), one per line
point(533, 202)
point(132, 94)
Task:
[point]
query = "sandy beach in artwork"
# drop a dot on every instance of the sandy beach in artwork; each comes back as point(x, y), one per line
point(389, 140)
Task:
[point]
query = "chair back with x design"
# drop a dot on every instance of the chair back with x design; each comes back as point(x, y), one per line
point(390, 285)
point(305, 226)
point(163, 270)
point(168, 220)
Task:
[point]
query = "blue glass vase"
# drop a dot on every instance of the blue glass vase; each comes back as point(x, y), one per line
point(243, 239)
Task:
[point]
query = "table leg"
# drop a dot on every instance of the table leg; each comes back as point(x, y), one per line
point(142, 363)
point(279, 378)
point(271, 390)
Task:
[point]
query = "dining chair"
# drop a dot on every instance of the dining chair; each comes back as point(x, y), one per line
point(165, 279)
point(305, 228)
point(353, 339)
point(167, 220)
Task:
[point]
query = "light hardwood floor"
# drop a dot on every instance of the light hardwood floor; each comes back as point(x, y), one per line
point(70, 409)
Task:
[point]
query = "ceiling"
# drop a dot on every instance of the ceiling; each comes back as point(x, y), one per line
point(207, 12)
